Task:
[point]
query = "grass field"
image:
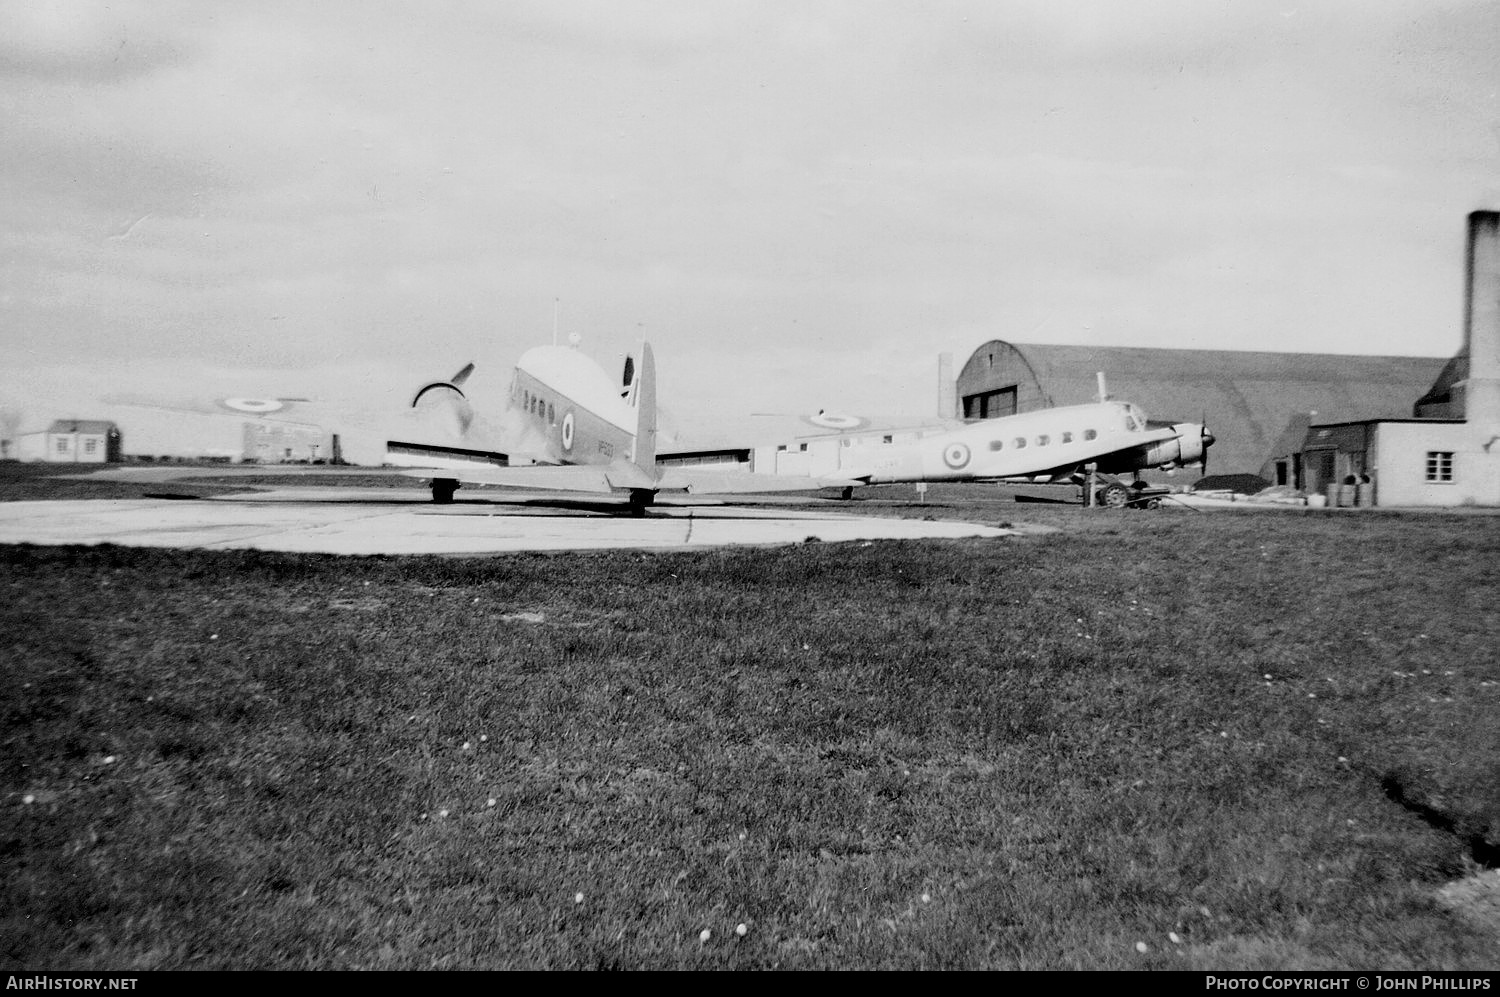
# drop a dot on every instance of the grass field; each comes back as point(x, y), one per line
point(1156, 740)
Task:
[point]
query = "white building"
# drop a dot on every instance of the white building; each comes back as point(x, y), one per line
point(1450, 454)
point(72, 441)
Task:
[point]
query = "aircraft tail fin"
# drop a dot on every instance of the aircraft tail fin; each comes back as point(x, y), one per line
point(643, 400)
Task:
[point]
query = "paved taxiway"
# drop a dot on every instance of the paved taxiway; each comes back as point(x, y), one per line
point(401, 521)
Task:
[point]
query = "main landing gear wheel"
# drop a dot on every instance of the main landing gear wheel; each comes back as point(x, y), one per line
point(1113, 496)
point(443, 489)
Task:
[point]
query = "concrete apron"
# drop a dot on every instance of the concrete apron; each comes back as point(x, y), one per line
point(384, 525)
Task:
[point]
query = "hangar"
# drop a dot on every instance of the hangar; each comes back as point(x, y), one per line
point(1420, 430)
point(1254, 402)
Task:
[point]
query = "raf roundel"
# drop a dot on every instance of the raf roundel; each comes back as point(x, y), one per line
point(567, 431)
point(956, 455)
point(833, 420)
point(255, 406)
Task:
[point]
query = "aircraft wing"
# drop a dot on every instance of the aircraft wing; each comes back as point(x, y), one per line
point(1139, 440)
point(1102, 452)
point(763, 429)
point(362, 423)
point(720, 481)
point(603, 479)
point(621, 475)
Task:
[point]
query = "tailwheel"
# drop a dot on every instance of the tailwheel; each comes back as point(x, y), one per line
point(1113, 496)
point(639, 499)
point(443, 489)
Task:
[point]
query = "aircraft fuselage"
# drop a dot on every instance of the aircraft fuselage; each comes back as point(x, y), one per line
point(588, 423)
point(1013, 446)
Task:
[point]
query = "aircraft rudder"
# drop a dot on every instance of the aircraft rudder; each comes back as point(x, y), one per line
point(645, 411)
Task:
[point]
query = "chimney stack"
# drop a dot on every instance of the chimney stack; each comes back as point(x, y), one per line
point(1478, 396)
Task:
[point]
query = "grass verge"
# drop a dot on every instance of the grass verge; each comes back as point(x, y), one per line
point(1242, 741)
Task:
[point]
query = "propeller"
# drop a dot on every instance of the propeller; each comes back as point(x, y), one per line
point(1206, 440)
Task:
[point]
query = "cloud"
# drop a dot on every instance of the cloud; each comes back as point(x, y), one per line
point(84, 42)
point(290, 185)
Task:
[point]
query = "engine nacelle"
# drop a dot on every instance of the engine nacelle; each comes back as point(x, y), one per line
point(1167, 454)
point(1190, 447)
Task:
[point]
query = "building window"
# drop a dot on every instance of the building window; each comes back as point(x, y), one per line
point(62, 444)
point(1440, 465)
point(90, 446)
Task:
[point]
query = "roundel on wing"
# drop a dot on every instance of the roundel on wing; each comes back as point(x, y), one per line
point(956, 455)
point(567, 431)
point(833, 420)
point(255, 406)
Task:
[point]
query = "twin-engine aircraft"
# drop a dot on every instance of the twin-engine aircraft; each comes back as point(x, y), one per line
point(567, 426)
point(1048, 445)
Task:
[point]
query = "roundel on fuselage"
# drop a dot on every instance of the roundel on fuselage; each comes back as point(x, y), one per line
point(956, 455)
point(255, 406)
point(567, 430)
point(833, 420)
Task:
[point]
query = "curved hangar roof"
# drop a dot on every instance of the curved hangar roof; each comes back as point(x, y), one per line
point(1249, 400)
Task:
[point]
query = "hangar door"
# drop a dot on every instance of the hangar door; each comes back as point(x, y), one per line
point(990, 404)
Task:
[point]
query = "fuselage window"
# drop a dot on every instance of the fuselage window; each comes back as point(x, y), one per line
point(1067, 437)
point(1130, 423)
point(551, 414)
point(1043, 440)
point(887, 439)
point(1089, 434)
point(1020, 442)
point(996, 445)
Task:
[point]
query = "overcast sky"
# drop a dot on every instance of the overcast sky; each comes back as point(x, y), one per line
point(799, 204)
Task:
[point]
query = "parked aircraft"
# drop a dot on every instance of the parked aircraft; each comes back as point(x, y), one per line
point(566, 426)
point(1047, 445)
